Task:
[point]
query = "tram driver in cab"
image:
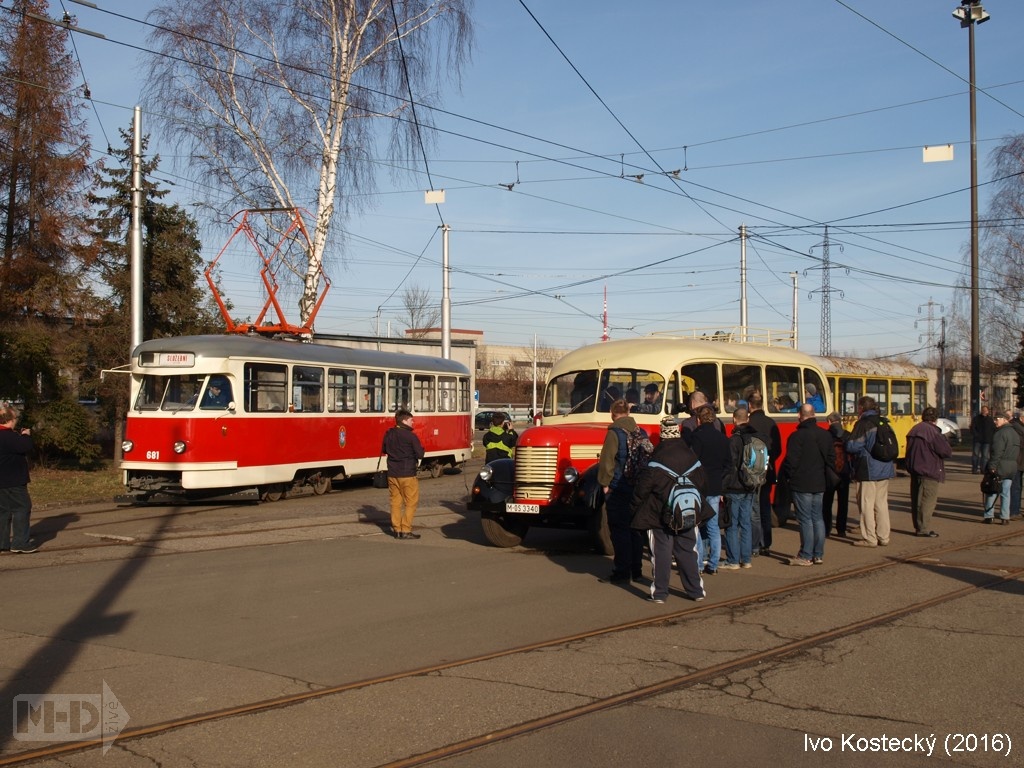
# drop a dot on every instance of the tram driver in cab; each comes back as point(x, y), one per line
point(217, 395)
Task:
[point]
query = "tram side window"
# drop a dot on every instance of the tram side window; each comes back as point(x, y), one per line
point(307, 389)
point(448, 393)
point(702, 376)
point(739, 382)
point(850, 392)
point(371, 391)
point(399, 391)
point(901, 398)
point(464, 399)
point(423, 393)
point(265, 387)
point(920, 397)
point(784, 395)
point(341, 390)
point(879, 389)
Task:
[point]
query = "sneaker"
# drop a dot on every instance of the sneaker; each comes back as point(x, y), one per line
point(729, 567)
point(800, 561)
point(817, 561)
point(746, 565)
point(26, 550)
point(695, 599)
point(708, 571)
point(764, 551)
point(864, 543)
point(638, 578)
point(658, 600)
point(988, 521)
point(883, 542)
point(411, 535)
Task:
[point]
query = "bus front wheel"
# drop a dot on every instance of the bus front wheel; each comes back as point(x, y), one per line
point(501, 532)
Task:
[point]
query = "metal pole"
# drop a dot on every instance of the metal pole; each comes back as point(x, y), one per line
point(446, 301)
point(743, 282)
point(796, 304)
point(136, 231)
point(975, 340)
point(534, 406)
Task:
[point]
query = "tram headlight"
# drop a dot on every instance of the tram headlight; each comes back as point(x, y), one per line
point(127, 446)
point(570, 475)
point(486, 473)
point(179, 446)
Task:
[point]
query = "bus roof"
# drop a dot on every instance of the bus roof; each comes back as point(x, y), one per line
point(654, 353)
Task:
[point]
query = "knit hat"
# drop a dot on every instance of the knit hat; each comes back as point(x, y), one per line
point(669, 428)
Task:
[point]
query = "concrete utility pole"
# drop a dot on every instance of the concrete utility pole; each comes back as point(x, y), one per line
point(446, 300)
point(136, 230)
point(796, 306)
point(970, 13)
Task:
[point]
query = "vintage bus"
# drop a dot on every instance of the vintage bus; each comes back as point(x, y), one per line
point(900, 389)
point(551, 482)
point(247, 417)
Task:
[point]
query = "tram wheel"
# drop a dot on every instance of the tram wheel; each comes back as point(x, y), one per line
point(322, 485)
point(436, 469)
point(273, 492)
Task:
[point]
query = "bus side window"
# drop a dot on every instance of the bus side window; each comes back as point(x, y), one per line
point(705, 378)
point(784, 394)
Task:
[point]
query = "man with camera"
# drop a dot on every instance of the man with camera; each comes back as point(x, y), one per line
point(500, 440)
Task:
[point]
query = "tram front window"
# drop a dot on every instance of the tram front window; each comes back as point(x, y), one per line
point(169, 393)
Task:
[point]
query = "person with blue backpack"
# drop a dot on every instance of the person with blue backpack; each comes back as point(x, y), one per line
point(740, 492)
point(671, 530)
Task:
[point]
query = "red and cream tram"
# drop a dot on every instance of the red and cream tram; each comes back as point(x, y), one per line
point(252, 418)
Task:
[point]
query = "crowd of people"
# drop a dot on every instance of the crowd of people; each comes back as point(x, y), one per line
point(820, 469)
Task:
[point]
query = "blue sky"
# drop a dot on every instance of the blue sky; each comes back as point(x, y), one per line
point(780, 117)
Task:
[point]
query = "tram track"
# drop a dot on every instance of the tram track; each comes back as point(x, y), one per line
point(1003, 574)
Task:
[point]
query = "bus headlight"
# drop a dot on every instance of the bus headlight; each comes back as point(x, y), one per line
point(179, 446)
point(486, 473)
point(127, 446)
point(570, 475)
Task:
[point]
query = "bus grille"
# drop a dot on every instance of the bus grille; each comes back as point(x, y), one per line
point(536, 471)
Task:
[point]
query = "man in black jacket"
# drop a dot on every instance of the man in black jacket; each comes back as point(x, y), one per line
point(404, 452)
point(983, 429)
point(808, 451)
point(768, 431)
point(648, 502)
point(15, 503)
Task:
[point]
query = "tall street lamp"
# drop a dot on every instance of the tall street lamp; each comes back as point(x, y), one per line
point(968, 14)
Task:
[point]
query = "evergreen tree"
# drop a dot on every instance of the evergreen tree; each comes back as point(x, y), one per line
point(174, 302)
point(44, 174)
point(44, 171)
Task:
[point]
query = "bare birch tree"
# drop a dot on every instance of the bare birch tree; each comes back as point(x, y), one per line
point(275, 98)
point(420, 312)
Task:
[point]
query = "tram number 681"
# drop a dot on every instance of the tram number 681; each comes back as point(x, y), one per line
point(155, 455)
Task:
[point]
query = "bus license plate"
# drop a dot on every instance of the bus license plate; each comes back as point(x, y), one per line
point(522, 509)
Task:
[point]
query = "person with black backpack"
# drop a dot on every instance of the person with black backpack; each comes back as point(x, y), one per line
point(626, 450)
point(868, 447)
